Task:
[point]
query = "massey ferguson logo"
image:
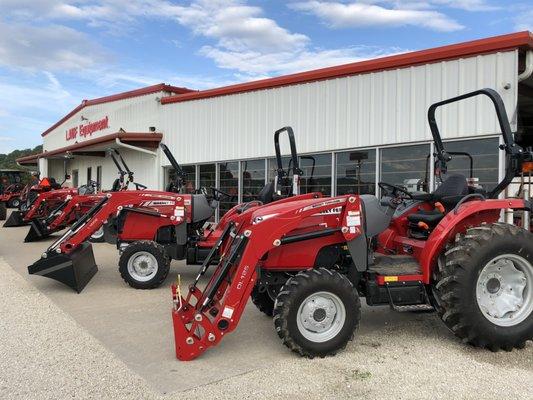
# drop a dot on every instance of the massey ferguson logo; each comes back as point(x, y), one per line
point(322, 204)
point(158, 203)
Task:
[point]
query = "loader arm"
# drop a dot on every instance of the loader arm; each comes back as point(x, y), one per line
point(217, 309)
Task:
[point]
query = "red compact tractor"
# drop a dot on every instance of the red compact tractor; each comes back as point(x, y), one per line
point(74, 206)
point(315, 258)
point(38, 201)
point(151, 228)
point(11, 195)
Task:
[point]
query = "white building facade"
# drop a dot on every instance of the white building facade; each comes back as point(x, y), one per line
point(355, 125)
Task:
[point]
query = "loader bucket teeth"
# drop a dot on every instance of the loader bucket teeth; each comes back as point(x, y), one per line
point(3, 211)
point(74, 270)
point(15, 219)
point(37, 231)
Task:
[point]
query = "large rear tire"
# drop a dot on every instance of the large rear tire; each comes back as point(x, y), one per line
point(485, 291)
point(144, 265)
point(317, 312)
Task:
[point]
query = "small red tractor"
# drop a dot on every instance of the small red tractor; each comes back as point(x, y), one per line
point(74, 206)
point(11, 195)
point(151, 228)
point(313, 259)
point(33, 204)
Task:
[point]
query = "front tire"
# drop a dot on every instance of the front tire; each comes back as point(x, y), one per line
point(317, 312)
point(98, 236)
point(144, 265)
point(485, 291)
point(262, 301)
point(14, 203)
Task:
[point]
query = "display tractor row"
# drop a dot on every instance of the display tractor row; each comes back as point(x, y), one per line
point(306, 260)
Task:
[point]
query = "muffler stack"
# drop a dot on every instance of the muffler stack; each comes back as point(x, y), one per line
point(74, 270)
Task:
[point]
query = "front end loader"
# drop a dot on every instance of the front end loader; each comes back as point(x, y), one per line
point(315, 258)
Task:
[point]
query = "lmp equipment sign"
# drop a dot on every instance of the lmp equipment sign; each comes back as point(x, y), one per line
point(88, 129)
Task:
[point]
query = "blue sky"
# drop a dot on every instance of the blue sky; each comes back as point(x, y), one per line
point(54, 53)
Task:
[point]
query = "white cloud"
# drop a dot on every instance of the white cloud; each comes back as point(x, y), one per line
point(343, 15)
point(524, 20)
point(53, 47)
point(257, 65)
point(468, 5)
point(6, 139)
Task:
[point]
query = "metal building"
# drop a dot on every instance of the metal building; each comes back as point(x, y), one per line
point(355, 124)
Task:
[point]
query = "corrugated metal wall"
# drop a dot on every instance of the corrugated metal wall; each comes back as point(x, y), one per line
point(365, 110)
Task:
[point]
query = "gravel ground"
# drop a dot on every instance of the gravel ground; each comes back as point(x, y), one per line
point(44, 353)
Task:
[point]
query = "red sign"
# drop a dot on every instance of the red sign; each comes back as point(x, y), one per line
point(88, 129)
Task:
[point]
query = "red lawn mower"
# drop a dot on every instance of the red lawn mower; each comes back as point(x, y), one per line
point(314, 258)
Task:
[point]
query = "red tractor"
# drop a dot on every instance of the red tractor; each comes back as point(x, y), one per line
point(37, 200)
point(11, 195)
point(151, 228)
point(314, 258)
point(74, 206)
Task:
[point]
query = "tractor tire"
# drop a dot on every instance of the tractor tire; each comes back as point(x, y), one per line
point(98, 236)
point(144, 265)
point(317, 312)
point(263, 302)
point(485, 291)
point(14, 203)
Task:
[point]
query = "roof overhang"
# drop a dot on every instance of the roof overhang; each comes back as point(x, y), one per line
point(97, 147)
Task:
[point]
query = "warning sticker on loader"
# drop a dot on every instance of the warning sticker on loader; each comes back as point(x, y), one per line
point(353, 220)
point(228, 312)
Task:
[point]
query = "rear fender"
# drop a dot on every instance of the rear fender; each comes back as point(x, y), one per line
point(470, 214)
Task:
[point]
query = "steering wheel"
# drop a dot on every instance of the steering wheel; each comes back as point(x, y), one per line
point(394, 190)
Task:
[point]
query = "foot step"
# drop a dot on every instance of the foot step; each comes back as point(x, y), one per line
point(413, 308)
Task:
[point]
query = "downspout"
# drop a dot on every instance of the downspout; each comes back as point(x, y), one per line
point(135, 148)
point(529, 67)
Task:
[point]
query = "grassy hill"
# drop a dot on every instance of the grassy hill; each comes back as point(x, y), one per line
point(7, 161)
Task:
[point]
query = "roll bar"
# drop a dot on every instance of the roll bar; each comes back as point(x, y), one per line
point(515, 153)
point(297, 172)
point(121, 172)
point(181, 176)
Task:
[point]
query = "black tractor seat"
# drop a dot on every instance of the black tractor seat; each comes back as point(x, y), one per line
point(449, 193)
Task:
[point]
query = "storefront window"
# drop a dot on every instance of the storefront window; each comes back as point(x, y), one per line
point(405, 166)
point(316, 173)
point(484, 153)
point(229, 183)
point(356, 172)
point(253, 179)
point(190, 178)
point(273, 166)
point(208, 178)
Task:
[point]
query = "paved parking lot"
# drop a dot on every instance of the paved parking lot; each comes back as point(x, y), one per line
point(116, 342)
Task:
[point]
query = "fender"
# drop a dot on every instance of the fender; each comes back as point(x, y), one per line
point(472, 213)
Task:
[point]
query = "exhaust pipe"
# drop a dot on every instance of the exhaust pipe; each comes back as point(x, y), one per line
point(3, 211)
point(74, 270)
point(15, 219)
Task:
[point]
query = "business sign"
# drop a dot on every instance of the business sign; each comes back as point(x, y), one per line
point(87, 129)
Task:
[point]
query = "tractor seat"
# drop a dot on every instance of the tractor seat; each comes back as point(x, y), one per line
point(449, 193)
point(266, 194)
point(431, 218)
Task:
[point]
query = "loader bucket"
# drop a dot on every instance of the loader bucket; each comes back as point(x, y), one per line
point(74, 270)
point(3, 211)
point(38, 231)
point(15, 219)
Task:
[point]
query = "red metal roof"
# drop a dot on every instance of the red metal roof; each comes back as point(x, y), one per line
point(135, 138)
point(482, 46)
point(120, 96)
